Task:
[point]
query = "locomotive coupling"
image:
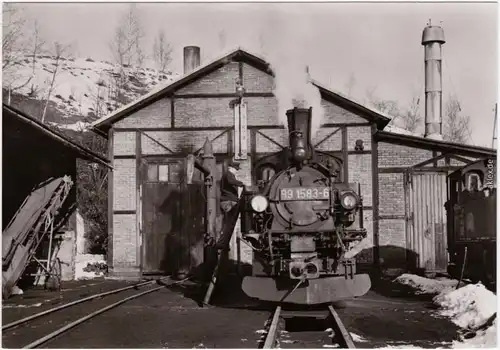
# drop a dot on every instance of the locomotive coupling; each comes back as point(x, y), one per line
point(301, 269)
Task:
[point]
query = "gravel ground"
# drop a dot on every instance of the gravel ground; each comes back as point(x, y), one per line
point(387, 315)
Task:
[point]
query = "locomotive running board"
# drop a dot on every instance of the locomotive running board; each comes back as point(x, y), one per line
point(314, 291)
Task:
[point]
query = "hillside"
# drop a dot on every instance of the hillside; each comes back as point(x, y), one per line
point(83, 90)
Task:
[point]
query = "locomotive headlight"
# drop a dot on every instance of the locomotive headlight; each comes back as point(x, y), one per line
point(348, 200)
point(259, 203)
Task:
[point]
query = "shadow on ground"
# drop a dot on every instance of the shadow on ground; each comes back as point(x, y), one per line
point(228, 293)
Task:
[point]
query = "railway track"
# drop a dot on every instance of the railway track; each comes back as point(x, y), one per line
point(317, 330)
point(42, 327)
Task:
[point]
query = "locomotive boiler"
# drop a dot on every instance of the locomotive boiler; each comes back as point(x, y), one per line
point(300, 223)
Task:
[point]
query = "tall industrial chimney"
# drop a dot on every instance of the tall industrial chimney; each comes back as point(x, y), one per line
point(191, 58)
point(432, 39)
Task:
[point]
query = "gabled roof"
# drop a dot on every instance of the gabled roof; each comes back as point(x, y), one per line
point(238, 54)
point(83, 152)
point(434, 145)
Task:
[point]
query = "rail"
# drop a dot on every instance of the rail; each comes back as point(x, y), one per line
point(342, 337)
point(88, 316)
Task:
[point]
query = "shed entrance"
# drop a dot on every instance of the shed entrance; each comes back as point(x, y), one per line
point(172, 218)
point(426, 215)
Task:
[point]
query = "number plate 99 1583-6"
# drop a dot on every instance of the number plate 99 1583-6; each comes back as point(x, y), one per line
point(304, 193)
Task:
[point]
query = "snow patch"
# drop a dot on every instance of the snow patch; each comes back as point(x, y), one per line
point(468, 307)
point(357, 338)
point(483, 339)
point(16, 291)
point(471, 307)
point(427, 285)
point(14, 306)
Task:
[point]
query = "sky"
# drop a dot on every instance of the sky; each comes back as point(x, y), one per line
point(374, 46)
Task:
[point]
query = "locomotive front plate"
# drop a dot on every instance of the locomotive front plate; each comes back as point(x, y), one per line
point(302, 193)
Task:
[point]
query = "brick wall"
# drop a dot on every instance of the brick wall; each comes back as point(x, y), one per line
point(203, 112)
point(360, 171)
point(256, 80)
point(328, 139)
point(391, 194)
point(180, 141)
point(262, 111)
point(336, 114)
point(156, 115)
point(391, 155)
point(263, 144)
point(222, 80)
point(363, 133)
point(124, 185)
point(124, 143)
point(125, 241)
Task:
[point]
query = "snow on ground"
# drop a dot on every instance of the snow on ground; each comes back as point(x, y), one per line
point(471, 307)
point(427, 285)
point(78, 126)
point(357, 338)
point(16, 306)
point(81, 85)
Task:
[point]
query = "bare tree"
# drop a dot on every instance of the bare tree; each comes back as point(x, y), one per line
point(162, 51)
point(126, 43)
point(389, 107)
point(411, 115)
point(38, 43)
point(59, 51)
point(12, 35)
point(16, 44)
point(126, 47)
point(456, 127)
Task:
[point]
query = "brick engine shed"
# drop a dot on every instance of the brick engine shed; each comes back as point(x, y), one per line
point(155, 227)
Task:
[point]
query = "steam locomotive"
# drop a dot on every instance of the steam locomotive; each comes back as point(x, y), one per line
point(300, 222)
point(471, 213)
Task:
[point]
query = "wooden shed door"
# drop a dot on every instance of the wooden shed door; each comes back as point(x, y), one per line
point(426, 234)
point(172, 221)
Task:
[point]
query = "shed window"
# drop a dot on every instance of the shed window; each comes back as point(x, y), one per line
point(152, 172)
point(163, 172)
point(474, 182)
point(174, 172)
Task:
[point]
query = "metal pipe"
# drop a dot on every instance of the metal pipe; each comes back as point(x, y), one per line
point(191, 58)
point(433, 39)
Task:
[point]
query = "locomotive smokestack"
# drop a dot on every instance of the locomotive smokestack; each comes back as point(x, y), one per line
point(299, 128)
point(191, 58)
point(433, 39)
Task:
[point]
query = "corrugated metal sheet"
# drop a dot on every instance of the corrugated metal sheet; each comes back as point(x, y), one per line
point(427, 229)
